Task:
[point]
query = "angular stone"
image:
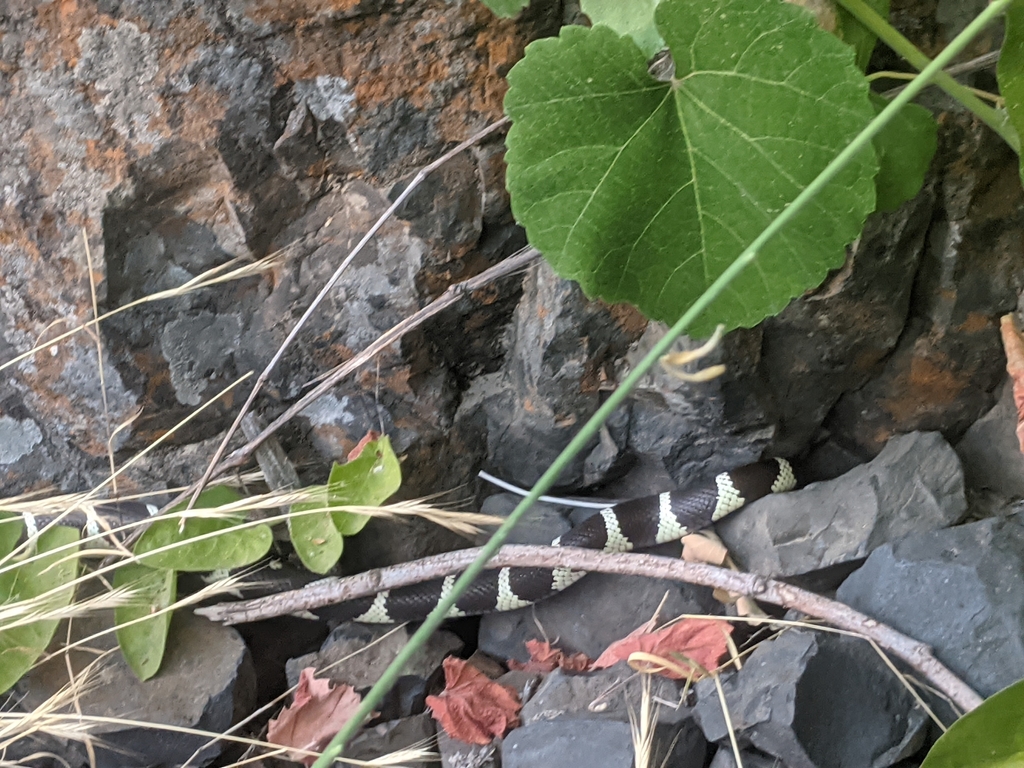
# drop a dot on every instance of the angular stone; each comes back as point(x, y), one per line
point(206, 682)
point(597, 744)
point(815, 701)
point(960, 590)
point(914, 484)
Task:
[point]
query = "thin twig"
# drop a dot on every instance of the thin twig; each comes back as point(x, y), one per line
point(512, 264)
point(331, 591)
point(416, 181)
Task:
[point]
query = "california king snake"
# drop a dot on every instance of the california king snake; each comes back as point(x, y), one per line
point(624, 527)
point(634, 524)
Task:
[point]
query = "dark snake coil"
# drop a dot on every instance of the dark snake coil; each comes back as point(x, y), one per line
point(624, 527)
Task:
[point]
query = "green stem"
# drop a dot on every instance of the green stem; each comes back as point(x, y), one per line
point(994, 119)
point(862, 143)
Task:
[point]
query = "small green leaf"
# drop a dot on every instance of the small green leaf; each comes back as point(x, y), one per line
point(856, 34)
point(1010, 70)
point(232, 547)
point(367, 480)
point(11, 527)
point(21, 646)
point(645, 191)
point(989, 737)
point(314, 535)
point(143, 643)
point(506, 9)
point(634, 19)
point(905, 148)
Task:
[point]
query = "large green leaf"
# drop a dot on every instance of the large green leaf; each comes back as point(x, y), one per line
point(1010, 71)
point(367, 480)
point(856, 34)
point(992, 736)
point(905, 147)
point(143, 643)
point(634, 19)
point(231, 547)
point(645, 191)
point(314, 535)
point(25, 583)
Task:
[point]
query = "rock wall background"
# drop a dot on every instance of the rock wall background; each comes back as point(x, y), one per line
point(175, 136)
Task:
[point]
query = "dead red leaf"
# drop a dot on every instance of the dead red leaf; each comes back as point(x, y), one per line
point(473, 708)
point(702, 640)
point(369, 437)
point(318, 711)
point(545, 658)
point(1013, 345)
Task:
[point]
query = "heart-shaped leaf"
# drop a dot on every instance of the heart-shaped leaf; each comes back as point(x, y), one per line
point(367, 480)
point(645, 191)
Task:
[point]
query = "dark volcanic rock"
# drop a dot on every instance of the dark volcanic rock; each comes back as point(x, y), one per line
point(960, 590)
point(597, 744)
point(815, 701)
point(915, 484)
point(206, 682)
point(991, 453)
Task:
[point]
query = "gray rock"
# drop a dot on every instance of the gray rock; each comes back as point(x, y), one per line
point(694, 431)
point(959, 590)
point(459, 754)
point(607, 693)
point(815, 701)
point(357, 654)
point(990, 452)
point(541, 524)
point(914, 484)
point(591, 614)
point(392, 736)
point(598, 744)
point(206, 682)
point(557, 345)
point(724, 758)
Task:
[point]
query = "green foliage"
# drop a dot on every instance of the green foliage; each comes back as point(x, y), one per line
point(856, 34)
point(905, 148)
point(26, 583)
point(231, 547)
point(367, 480)
point(634, 19)
point(989, 737)
point(316, 539)
point(11, 528)
point(506, 9)
point(1010, 71)
point(143, 643)
point(645, 191)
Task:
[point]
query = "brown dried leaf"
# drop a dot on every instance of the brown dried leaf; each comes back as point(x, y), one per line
point(702, 640)
point(318, 711)
point(1013, 345)
point(545, 658)
point(473, 708)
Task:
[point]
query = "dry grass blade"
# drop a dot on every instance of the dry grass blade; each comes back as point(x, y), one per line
point(214, 276)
